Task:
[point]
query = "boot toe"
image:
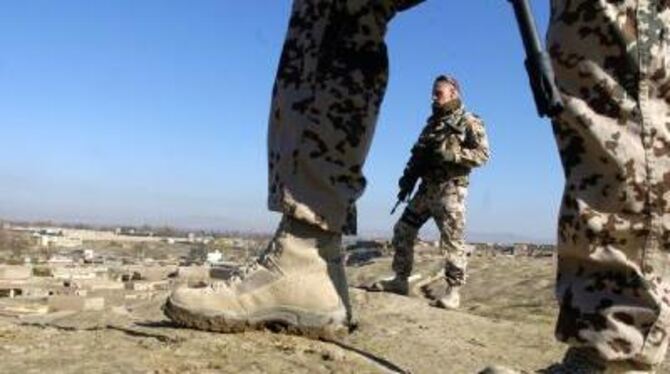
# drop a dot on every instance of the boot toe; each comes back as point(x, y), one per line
point(202, 300)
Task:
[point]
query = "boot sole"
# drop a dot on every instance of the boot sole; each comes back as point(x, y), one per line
point(442, 305)
point(377, 288)
point(279, 319)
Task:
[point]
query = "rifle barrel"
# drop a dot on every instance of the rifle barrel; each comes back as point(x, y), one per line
point(538, 63)
point(530, 36)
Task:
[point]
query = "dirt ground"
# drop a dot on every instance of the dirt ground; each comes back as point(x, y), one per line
point(506, 319)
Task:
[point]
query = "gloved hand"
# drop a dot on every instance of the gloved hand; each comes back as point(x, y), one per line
point(406, 185)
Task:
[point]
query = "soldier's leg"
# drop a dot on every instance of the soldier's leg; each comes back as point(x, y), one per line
point(405, 233)
point(450, 219)
point(611, 61)
point(330, 83)
point(449, 214)
point(407, 229)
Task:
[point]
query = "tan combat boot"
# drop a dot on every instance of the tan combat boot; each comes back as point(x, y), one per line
point(398, 284)
point(441, 293)
point(298, 283)
point(450, 300)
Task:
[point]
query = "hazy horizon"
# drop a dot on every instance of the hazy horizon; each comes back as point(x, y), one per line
point(429, 232)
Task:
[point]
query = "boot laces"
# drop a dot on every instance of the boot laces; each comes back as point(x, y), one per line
point(265, 260)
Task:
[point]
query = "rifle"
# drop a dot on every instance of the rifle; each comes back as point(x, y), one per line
point(397, 204)
point(406, 183)
point(538, 65)
point(400, 201)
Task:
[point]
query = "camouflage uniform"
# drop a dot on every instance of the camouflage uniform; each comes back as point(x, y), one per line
point(611, 60)
point(613, 284)
point(443, 190)
point(330, 82)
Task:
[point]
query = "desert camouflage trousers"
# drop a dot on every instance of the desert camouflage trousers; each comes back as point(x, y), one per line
point(611, 60)
point(445, 203)
point(330, 82)
point(613, 283)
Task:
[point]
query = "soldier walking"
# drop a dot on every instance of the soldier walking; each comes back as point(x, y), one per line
point(452, 143)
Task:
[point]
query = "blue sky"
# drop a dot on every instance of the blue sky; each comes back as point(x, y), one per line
point(155, 112)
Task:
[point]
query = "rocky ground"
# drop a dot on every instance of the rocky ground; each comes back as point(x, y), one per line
point(506, 319)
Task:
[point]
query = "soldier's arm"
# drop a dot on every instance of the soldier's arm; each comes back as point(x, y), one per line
point(474, 150)
point(408, 180)
point(416, 162)
point(423, 145)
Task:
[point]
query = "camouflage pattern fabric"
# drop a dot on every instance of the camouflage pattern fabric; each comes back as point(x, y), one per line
point(330, 82)
point(449, 146)
point(445, 203)
point(613, 284)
